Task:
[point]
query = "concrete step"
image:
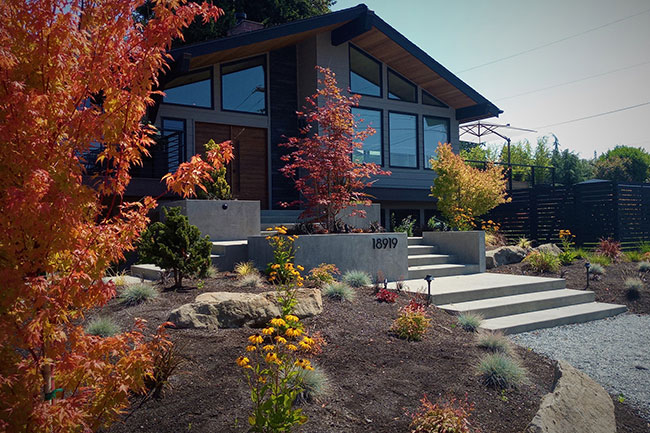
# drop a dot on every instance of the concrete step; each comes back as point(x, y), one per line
point(430, 259)
point(415, 250)
point(524, 303)
point(225, 254)
point(415, 240)
point(552, 317)
point(219, 247)
point(147, 271)
point(444, 270)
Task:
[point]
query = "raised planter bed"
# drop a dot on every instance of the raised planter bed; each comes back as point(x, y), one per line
point(369, 252)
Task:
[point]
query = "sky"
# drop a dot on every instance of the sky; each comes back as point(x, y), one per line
point(544, 63)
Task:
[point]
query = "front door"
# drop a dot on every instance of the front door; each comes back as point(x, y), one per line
point(247, 174)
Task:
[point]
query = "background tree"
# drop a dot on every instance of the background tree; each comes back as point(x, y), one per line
point(465, 191)
point(570, 168)
point(624, 164)
point(74, 74)
point(217, 187)
point(322, 164)
point(268, 12)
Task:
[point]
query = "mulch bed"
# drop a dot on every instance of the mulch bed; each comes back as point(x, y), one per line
point(375, 378)
point(608, 287)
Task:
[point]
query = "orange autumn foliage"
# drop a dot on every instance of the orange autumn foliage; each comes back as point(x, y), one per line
point(74, 75)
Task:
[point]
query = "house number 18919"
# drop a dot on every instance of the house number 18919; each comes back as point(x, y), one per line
point(383, 243)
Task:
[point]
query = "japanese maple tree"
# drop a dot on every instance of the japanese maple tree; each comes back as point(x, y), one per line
point(75, 75)
point(321, 164)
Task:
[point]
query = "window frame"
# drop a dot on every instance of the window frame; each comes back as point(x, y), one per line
point(185, 136)
point(381, 133)
point(417, 144)
point(398, 75)
point(443, 105)
point(195, 71)
point(381, 72)
point(424, 145)
point(266, 85)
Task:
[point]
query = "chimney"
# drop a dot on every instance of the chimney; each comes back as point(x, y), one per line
point(243, 25)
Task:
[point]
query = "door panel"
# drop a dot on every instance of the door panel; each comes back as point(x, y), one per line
point(247, 174)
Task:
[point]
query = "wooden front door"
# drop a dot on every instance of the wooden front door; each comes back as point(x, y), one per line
point(247, 174)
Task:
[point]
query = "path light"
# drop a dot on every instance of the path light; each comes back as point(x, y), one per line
point(587, 267)
point(428, 279)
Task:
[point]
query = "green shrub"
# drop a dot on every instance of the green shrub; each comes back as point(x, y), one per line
point(581, 253)
point(494, 342)
point(314, 383)
point(176, 245)
point(500, 371)
point(406, 226)
point(599, 259)
point(633, 256)
point(251, 280)
point(643, 267)
point(567, 257)
point(245, 268)
point(357, 279)
point(469, 321)
point(543, 261)
point(524, 243)
point(442, 417)
point(411, 324)
point(138, 293)
point(596, 269)
point(644, 247)
point(339, 292)
point(216, 188)
point(102, 327)
point(633, 287)
point(211, 272)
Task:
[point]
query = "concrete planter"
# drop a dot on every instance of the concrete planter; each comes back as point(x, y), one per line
point(373, 214)
point(222, 220)
point(369, 252)
point(467, 246)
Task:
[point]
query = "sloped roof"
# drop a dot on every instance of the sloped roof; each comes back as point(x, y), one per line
point(363, 28)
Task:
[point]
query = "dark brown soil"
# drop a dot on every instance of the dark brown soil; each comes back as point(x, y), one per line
point(608, 287)
point(628, 420)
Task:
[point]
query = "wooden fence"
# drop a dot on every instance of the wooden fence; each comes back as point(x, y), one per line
point(591, 210)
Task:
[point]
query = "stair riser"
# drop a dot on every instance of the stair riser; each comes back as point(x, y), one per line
point(415, 241)
point(495, 292)
point(579, 318)
point(420, 261)
point(414, 250)
point(419, 274)
point(525, 307)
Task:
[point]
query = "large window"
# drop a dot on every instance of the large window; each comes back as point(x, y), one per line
point(243, 86)
point(403, 140)
point(435, 130)
point(172, 153)
point(371, 150)
point(400, 88)
point(365, 73)
point(193, 89)
point(427, 99)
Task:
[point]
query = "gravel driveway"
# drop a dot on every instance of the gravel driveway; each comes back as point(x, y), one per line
point(615, 352)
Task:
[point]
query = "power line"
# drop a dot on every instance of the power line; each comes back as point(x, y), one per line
point(595, 115)
point(573, 81)
point(554, 42)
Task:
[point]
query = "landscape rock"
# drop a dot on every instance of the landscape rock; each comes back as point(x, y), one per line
point(504, 256)
point(576, 405)
point(549, 248)
point(234, 310)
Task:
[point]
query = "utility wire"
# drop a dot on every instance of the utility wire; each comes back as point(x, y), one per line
point(573, 81)
point(595, 115)
point(557, 41)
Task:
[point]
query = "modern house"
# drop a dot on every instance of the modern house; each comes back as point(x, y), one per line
point(248, 86)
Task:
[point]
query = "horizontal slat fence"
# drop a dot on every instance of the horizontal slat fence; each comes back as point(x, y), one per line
point(590, 210)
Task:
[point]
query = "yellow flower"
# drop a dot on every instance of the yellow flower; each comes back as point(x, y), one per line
point(261, 379)
point(280, 340)
point(272, 357)
point(291, 318)
point(268, 347)
point(304, 345)
point(293, 332)
point(256, 339)
point(251, 348)
point(275, 266)
point(303, 363)
point(242, 361)
point(268, 331)
point(307, 340)
point(268, 229)
point(292, 347)
point(278, 322)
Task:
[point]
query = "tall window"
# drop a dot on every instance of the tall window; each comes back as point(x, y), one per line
point(173, 135)
point(371, 150)
point(365, 73)
point(400, 88)
point(243, 86)
point(193, 89)
point(435, 130)
point(427, 99)
point(403, 140)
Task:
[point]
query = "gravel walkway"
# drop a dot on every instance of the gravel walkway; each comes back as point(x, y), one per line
point(615, 352)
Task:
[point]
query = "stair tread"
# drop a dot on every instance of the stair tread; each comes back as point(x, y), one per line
point(440, 266)
point(230, 243)
point(428, 256)
point(512, 299)
point(541, 316)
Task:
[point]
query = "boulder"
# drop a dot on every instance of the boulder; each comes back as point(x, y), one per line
point(576, 405)
point(234, 310)
point(504, 256)
point(549, 248)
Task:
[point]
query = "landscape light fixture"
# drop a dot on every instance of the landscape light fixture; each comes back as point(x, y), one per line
point(587, 267)
point(428, 279)
point(385, 283)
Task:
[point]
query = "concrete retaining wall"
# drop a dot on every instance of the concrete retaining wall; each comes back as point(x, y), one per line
point(222, 220)
point(468, 247)
point(369, 252)
point(373, 214)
